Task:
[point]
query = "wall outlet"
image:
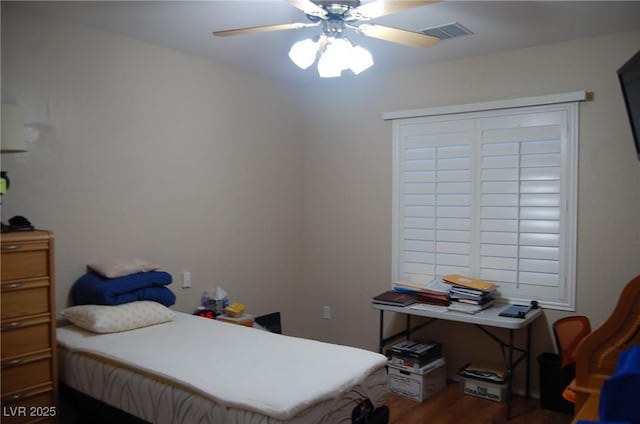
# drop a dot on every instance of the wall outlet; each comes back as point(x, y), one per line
point(186, 280)
point(326, 312)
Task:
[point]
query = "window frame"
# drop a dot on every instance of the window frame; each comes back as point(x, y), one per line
point(566, 103)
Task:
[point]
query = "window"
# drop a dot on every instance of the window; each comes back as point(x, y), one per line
point(489, 194)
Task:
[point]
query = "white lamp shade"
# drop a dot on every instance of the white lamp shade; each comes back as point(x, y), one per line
point(13, 139)
point(340, 51)
point(361, 59)
point(327, 68)
point(336, 55)
point(303, 53)
point(336, 58)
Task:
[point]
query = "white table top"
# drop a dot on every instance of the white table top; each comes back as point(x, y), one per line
point(489, 316)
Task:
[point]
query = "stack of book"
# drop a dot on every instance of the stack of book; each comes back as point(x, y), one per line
point(435, 292)
point(452, 292)
point(394, 298)
point(469, 294)
point(413, 355)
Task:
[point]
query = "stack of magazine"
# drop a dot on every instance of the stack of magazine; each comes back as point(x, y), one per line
point(470, 295)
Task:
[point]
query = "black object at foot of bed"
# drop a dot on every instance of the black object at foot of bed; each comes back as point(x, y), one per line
point(365, 413)
point(78, 408)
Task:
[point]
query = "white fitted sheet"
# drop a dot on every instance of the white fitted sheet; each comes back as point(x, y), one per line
point(220, 372)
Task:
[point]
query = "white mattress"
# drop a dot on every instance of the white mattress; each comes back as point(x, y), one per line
point(219, 372)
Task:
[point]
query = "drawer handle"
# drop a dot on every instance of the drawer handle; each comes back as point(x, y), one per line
point(13, 363)
point(14, 324)
point(12, 286)
point(12, 247)
point(12, 398)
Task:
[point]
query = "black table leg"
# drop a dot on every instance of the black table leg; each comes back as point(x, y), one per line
point(510, 371)
point(507, 348)
point(528, 363)
point(380, 334)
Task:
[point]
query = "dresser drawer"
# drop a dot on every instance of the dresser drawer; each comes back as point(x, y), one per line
point(34, 370)
point(24, 261)
point(25, 298)
point(37, 405)
point(28, 355)
point(20, 337)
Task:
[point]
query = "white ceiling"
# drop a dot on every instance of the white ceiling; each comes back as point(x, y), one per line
point(188, 26)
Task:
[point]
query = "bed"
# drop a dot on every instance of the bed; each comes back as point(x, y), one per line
point(190, 369)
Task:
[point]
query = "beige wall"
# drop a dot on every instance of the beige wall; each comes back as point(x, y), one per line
point(148, 152)
point(280, 195)
point(347, 191)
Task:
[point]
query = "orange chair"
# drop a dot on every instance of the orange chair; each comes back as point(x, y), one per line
point(569, 332)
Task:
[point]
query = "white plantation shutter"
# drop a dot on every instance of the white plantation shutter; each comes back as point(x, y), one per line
point(492, 195)
point(435, 176)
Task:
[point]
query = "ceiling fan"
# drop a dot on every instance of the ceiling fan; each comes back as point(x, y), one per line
point(334, 16)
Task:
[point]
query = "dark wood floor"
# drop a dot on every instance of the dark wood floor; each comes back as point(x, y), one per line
point(451, 406)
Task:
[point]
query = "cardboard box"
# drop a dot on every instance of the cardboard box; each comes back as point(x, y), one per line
point(418, 384)
point(484, 389)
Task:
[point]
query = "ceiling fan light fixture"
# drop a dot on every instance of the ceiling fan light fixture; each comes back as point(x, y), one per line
point(334, 52)
point(361, 59)
point(339, 55)
point(303, 53)
point(328, 66)
point(339, 51)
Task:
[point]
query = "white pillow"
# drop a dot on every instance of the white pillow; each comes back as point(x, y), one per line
point(112, 319)
point(119, 267)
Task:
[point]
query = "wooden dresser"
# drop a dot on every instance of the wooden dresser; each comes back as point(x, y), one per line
point(29, 376)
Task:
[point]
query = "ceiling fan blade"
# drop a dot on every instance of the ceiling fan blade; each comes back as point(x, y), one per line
point(400, 36)
point(265, 28)
point(379, 8)
point(308, 7)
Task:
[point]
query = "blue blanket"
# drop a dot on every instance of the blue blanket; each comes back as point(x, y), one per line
point(93, 289)
point(617, 399)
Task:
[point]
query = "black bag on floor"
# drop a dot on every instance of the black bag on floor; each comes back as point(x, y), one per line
point(365, 413)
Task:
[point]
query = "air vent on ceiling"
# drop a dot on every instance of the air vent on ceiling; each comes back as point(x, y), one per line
point(446, 31)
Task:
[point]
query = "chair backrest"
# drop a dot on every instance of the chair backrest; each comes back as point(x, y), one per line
point(569, 332)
